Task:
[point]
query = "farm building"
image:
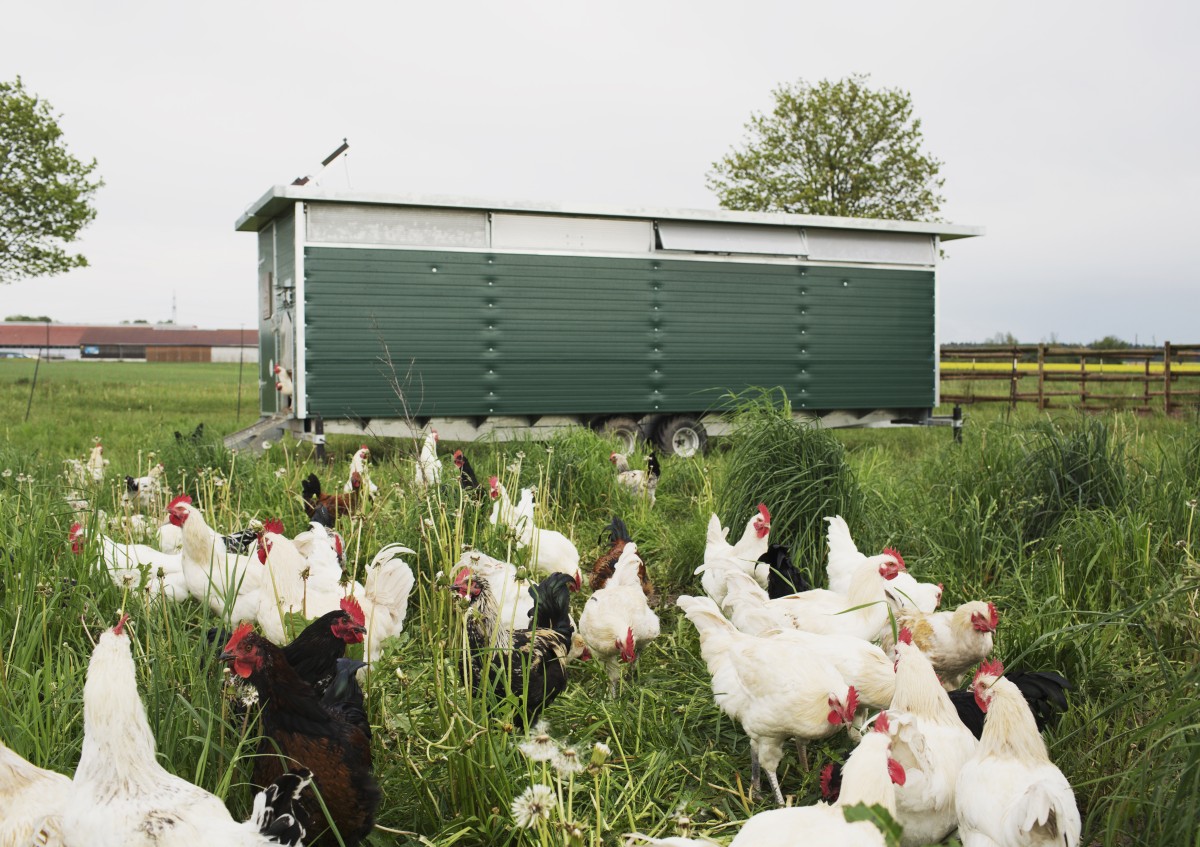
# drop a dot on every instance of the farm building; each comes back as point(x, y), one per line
point(494, 319)
point(128, 342)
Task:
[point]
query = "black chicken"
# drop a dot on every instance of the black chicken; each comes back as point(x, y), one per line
point(466, 474)
point(298, 731)
point(784, 577)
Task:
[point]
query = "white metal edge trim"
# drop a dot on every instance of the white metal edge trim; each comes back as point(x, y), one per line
point(299, 378)
point(662, 255)
point(937, 328)
point(291, 192)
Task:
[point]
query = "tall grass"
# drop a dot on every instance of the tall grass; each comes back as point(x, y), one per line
point(1082, 530)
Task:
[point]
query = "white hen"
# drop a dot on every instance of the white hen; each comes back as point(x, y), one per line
point(429, 469)
point(31, 802)
point(1010, 793)
point(120, 795)
point(617, 618)
point(845, 559)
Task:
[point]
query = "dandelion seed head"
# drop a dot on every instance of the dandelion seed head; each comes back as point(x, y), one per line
point(533, 806)
point(568, 762)
point(266, 445)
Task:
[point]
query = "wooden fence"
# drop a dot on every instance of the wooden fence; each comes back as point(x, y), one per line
point(1163, 378)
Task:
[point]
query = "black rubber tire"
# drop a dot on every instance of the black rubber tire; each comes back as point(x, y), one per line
point(626, 430)
point(683, 436)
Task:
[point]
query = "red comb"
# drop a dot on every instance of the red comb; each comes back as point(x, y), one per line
point(826, 781)
point(238, 634)
point(364, 447)
point(881, 722)
point(274, 525)
point(851, 700)
point(905, 635)
point(888, 551)
point(457, 454)
point(76, 531)
point(896, 772)
point(182, 498)
point(992, 668)
point(993, 615)
point(765, 512)
point(350, 606)
point(119, 629)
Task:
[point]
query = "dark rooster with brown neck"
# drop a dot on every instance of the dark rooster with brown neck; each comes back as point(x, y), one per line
point(299, 732)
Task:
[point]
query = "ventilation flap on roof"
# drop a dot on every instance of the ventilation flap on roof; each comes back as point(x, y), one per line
point(696, 237)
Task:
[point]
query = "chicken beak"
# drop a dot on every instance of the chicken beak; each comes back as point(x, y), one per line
point(226, 656)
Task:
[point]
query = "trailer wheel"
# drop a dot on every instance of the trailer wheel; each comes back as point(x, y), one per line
point(682, 436)
point(625, 430)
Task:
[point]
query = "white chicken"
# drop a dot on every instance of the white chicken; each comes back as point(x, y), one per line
point(549, 550)
point(284, 385)
point(774, 688)
point(322, 548)
point(31, 802)
point(96, 463)
point(1009, 792)
point(844, 559)
point(617, 618)
point(228, 583)
point(429, 469)
point(955, 641)
point(870, 777)
point(508, 603)
point(125, 565)
point(932, 744)
point(863, 613)
point(754, 542)
point(359, 465)
point(384, 598)
point(860, 662)
point(642, 483)
point(144, 491)
point(120, 795)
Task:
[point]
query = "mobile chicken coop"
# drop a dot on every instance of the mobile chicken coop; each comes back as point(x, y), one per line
point(501, 319)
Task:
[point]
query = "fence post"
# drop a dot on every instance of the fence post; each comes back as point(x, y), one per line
point(1167, 376)
point(1041, 377)
point(319, 437)
point(1083, 380)
point(1012, 384)
point(956, 423)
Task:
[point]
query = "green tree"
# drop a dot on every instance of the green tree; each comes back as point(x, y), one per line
point(834, 148)
point(45, 192)
point(42, 319)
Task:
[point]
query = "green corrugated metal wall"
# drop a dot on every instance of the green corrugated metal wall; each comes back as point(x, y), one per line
point(474, 334)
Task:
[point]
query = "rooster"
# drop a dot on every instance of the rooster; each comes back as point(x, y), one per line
point(1009, 792)
point(315, 652)
point(466, 474)
point(384, 597)
point(844, 560)
point(617, 618)
point(642, 483)
point(931, 742)
point(120, 794)
point(606, 562)
point(506, 605)
point(871, 777)
point(32, 799)
point(954, 641)
point(775, 689)
point(335, 504)
point(96, 463)
point(428, 470)
point(299, 731)
point(343, 698)
point(719, 555)
point(358, 465)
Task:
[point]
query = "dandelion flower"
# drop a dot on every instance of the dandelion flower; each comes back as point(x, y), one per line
point(534, 805)
point(568, 761)
point(218, 482)
point(7, 473)
point(280, 473)
point(266, 445)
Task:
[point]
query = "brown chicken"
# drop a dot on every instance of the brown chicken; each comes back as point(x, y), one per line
point(337, 504)
point(602, 570)
point(299, 732)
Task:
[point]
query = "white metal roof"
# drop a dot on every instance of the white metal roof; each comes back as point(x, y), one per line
point(263, 210)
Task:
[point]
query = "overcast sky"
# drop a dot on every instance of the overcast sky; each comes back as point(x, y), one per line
point(1068, 130)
